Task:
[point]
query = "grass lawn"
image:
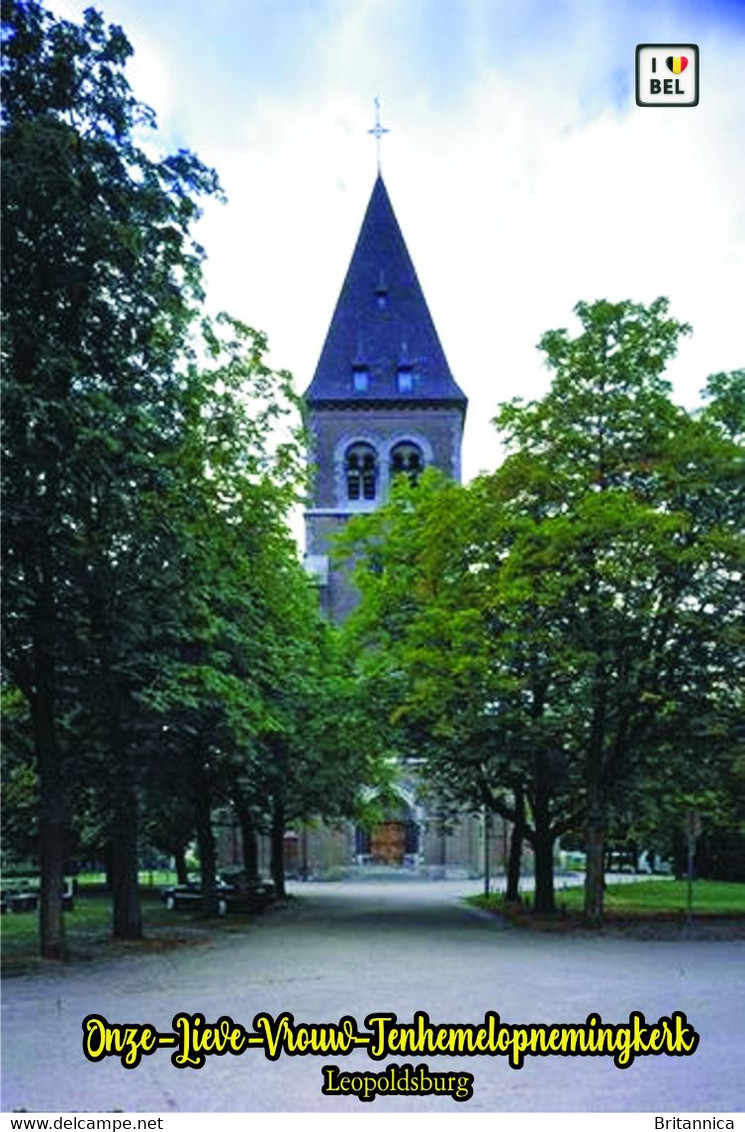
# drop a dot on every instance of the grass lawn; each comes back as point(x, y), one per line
point(88, 929)
point(649, 899)
point(710, 897)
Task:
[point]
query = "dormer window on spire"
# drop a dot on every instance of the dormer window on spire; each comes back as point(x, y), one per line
point(405, 378)
point(381, 292)
point(360, 377)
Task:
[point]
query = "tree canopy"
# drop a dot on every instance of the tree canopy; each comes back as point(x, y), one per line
point(557, 642)
point(553, 627)
point(161, 641)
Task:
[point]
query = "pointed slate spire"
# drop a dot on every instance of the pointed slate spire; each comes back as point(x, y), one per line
point(382, 322)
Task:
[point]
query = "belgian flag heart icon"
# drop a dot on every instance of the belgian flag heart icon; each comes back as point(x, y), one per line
point(677, 63)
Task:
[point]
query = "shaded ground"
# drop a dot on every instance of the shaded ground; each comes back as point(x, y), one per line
point(354, 949)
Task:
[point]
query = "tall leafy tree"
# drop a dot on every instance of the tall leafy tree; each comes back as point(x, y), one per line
point(226, 556)
point(556, 626)
point(446, 628)
point(629, 510)
point(100, 277)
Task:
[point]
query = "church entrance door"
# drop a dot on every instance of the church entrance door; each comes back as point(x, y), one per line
point(388, 843)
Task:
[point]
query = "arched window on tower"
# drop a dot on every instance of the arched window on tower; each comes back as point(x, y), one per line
point(361, 471)
point(406, 459)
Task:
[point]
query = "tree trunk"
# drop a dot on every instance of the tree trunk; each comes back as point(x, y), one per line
point(52, 793)
point(125, 827)
point(595, 769)
point(127, 914)
point(634, 853)
point(179, 858)
point(250, 851)
point(595, 850)
point(205, 840)
point(52, 834)
point(543, 849)
point(517, 836)
point(278, 845)
point(249, 837)
point(679, 854)
point(38, 567)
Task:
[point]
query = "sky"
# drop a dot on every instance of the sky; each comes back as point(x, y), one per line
point(522, 173)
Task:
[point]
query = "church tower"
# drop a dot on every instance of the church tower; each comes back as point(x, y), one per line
point(382, 401)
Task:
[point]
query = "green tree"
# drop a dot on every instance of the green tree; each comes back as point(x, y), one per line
point(100, 277)
point(628, 505)
point(448, 628)
point(226, 556)
point(694, 766)
point(554, 627)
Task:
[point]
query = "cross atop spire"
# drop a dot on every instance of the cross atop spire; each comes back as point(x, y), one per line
point(377, 131)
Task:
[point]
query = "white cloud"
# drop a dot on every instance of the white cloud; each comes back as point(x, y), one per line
point(522, 173)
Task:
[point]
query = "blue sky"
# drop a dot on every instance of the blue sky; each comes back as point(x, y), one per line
point(523, 174)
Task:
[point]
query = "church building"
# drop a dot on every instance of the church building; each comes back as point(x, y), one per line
point(382, 402)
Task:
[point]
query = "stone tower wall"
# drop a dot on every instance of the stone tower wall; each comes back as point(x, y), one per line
point(436, 430)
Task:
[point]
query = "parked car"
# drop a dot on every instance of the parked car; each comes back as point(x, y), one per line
point(235, 893)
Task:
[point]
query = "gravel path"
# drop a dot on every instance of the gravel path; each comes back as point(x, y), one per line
point(358, 948)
